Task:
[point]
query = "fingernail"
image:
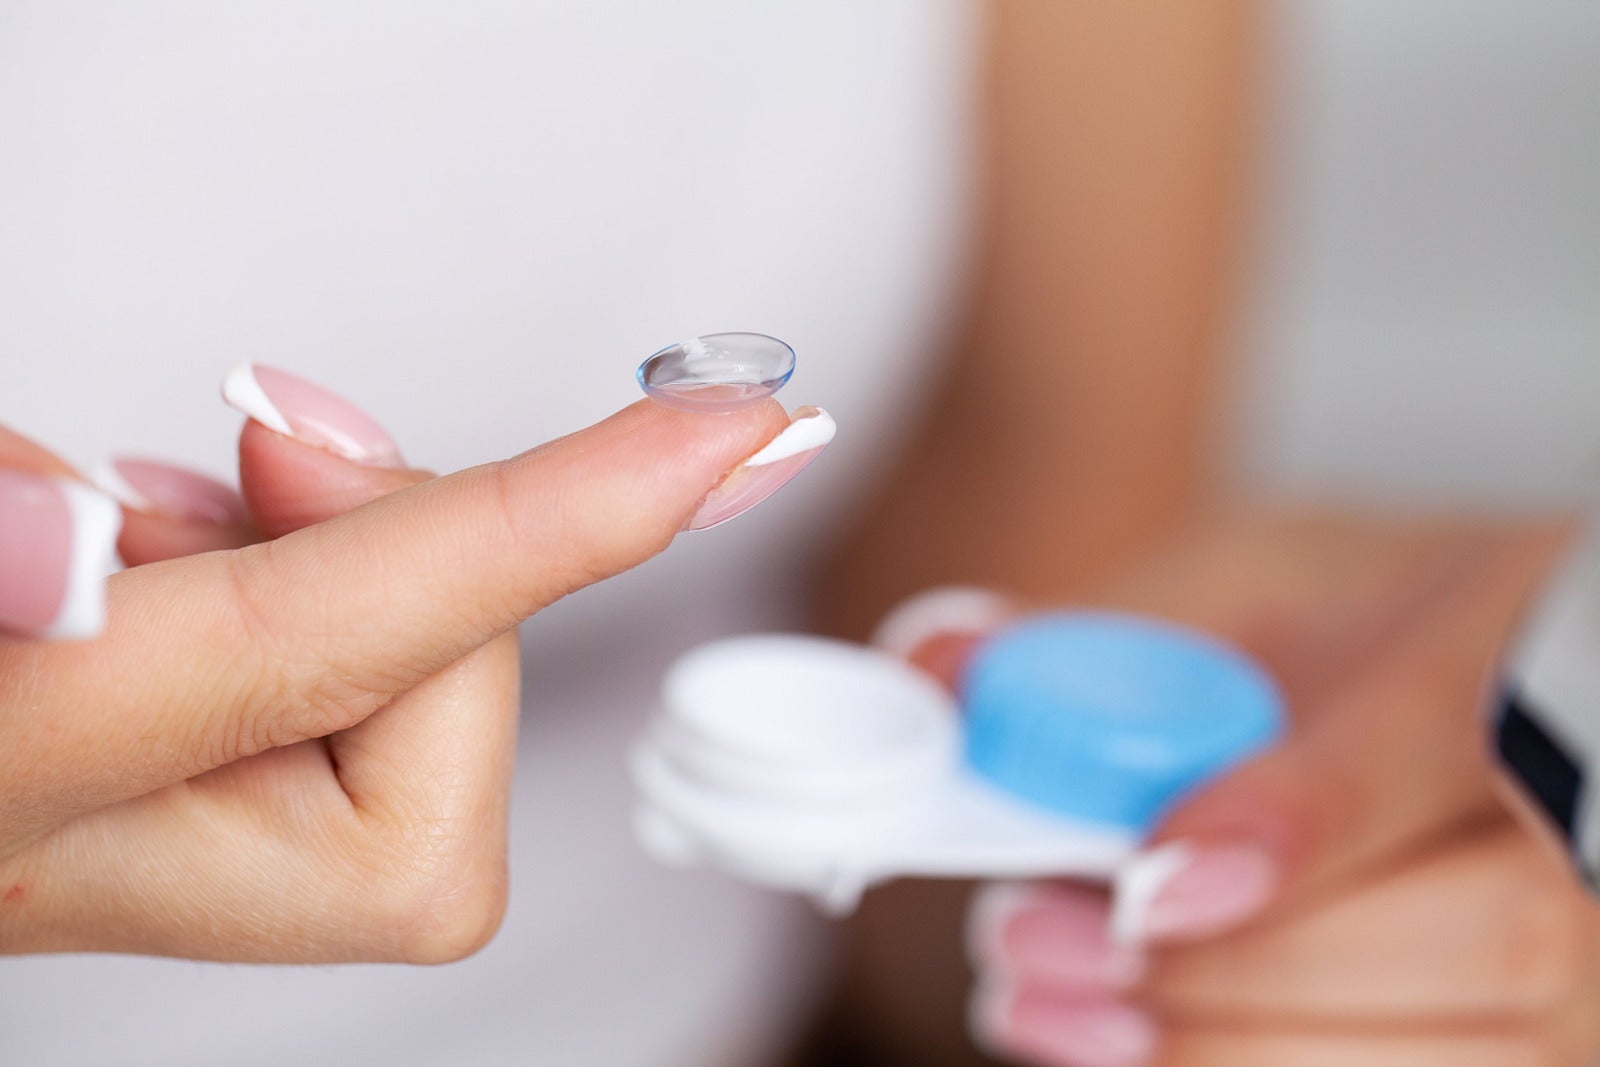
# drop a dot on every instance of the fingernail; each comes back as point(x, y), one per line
point(990, 912)
point(951, 609)
point(1057, 936)
point(767, 471)
point(294, 407)
point(939, 630)
point(1179, 892)
point(58, 543)
point(1045, 1029)
point(169, 491)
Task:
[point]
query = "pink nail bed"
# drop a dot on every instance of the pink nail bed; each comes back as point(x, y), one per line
point(171, 491)
point(767, 470)
point(1081, 1034)
point(747, 486)
point(1063, 939)
point(1054, 1031)
point(57, 545)
point(1179, 892)
point(295, 407)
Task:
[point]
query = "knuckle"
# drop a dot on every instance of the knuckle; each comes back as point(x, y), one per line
point(285, 690)
point(449, 927)
point(249, 673)
point(554, 526)
point(442, 890)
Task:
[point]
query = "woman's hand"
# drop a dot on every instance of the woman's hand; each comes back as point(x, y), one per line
point(1361, 893)
point(300, 749)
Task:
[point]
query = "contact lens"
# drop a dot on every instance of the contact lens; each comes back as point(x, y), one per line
point(717, 372)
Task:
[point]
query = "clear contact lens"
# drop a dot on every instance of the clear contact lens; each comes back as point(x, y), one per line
point(717, 372)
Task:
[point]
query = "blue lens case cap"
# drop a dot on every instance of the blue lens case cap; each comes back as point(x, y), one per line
point(1112, 718)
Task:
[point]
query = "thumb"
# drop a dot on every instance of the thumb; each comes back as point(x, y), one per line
point(1393, 757)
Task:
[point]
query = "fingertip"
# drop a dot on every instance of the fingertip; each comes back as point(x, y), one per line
point(736, 435)
point(93, 521)
point(1272, 799)
point(663, 464)
point(939, 630)
point(989, 914)
point(289, 484)
point(951, 609)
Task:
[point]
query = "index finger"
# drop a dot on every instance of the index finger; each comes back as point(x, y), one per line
point(216, 657)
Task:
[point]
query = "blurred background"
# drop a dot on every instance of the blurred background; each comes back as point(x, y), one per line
point(475, 219)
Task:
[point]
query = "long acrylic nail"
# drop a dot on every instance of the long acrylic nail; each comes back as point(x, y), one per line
point(295, 407)
point(989, 914)
point(939, 630)
point(1182, 892)
point(1067, 1033)
point(1057, 936)
point(170, 491)
point(58, 543)
point(767, 471)
point(947, 609)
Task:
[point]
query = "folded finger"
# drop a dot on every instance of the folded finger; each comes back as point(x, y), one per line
point(439, 754)
point(171, 511)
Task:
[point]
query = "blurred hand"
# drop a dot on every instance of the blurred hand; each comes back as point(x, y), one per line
point(1361, 893)
point(300, 749)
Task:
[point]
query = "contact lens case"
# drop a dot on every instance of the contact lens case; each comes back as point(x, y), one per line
point(823, 767)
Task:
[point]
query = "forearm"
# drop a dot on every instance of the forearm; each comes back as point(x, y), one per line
point(1078, 419)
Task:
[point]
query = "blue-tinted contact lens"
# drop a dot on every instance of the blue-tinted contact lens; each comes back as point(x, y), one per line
point(717, 372)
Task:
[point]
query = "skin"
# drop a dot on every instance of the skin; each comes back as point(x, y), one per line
point(1417, 916)
point(300, 749)
point(1419, 913)
point(253, 812)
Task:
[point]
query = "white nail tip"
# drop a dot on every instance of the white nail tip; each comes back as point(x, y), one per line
point(110, 481)
point(1138, 884)
point(96, 522)
point(951, 609)
point(801, 435)
point(241, 390)
point(991, 909)
point(988, 1009)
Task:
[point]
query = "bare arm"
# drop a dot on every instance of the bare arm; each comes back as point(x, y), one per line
point(1076, 422)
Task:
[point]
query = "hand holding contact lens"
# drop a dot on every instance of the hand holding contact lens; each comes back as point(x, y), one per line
point(824, 767)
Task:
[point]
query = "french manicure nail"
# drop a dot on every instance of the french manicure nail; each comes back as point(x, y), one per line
point(295, 407)
point(767, 470)
point(951, 609)
point(1179, 892)
point(1058, 936)
point(1048, 1030)
point(172, 492)
point(990, 913)
point(58, 543)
